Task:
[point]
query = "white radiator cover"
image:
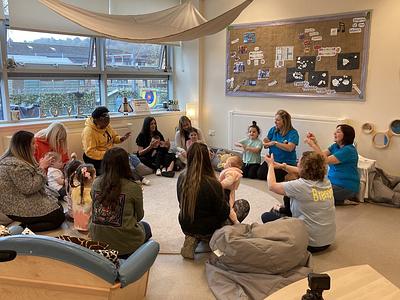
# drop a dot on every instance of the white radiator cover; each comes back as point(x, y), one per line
point(323, 127)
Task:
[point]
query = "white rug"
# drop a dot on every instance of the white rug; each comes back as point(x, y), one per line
point(161, 209)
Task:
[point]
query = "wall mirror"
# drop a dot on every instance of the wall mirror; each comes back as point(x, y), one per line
point(367, 128)
point(394, 127)
point(381, 140)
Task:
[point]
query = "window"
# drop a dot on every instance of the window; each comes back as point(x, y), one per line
point(126, 54)
point(155, 91)
point(51, 75)
point(27, 47)
point(40, 98)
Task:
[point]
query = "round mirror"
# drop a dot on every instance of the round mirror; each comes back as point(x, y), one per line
point(367, 128)
point(381, 140)
point(395, 127)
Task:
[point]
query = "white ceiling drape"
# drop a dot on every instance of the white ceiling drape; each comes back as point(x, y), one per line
point(179, 23)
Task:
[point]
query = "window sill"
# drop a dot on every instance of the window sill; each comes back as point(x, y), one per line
point(113, 115)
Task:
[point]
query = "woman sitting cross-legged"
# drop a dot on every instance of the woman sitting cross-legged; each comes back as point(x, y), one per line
point(202, 202)
point(118, 206)
point(25, 196)
point(153, 149)
point(311, 198)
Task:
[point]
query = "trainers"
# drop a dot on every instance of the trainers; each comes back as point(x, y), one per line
point(145, 181)
point(158, 172)
point(168, 174)
point(189, 246)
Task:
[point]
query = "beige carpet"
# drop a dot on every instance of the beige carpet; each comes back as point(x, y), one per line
point(161, 209)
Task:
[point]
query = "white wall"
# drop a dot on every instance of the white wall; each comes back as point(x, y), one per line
point(382, 90)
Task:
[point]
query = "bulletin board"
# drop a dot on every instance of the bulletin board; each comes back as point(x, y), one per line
point(317, 57)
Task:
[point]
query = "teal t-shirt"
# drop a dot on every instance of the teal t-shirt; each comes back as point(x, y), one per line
point(251, 157)
point(344, 174)
point(282, 156)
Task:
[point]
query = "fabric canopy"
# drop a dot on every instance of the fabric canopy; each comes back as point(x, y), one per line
point(179, 23)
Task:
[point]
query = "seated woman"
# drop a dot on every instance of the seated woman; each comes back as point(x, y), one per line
point(118, 206)
point(98, 136)
point(311, 198)
point(153, 149)
point(342, 158)
point(202, 203)
point(52, 139)
point(281, 141)
point(24, 195)
point(182, 134)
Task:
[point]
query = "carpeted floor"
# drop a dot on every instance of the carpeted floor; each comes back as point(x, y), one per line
point(161, 209)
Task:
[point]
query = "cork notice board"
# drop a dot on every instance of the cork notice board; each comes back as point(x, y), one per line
point(315, 57)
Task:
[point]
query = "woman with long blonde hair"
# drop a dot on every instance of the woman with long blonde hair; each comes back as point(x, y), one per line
point(52, 139)
point(24, 195)
point(203, 206)
point(281, 141)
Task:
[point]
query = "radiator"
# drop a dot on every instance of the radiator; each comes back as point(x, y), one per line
point(322, 127)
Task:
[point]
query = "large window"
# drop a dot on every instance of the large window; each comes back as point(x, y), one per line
point(26, 47)
point(126, 54)
point(58, 75)
point(155, 91)
point(41, 98)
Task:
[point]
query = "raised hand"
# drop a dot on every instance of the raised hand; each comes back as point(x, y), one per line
point(46, 161)
point(269, 159)
point(126, 136)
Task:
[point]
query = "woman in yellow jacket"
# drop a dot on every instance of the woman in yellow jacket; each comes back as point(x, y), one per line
point(98, 136)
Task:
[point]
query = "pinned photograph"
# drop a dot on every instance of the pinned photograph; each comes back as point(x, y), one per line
point(249, 37)
point(348, 61)
point(305, 63)
point(342, 27)
point(293, 74)
point(263, 74)
point(243, 49)
point(334, 31)
point(342, 83)
point(238, 67)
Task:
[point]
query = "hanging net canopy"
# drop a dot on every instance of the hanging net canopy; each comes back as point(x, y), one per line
point(179, 23)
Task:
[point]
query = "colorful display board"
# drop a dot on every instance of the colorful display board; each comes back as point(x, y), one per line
point(319, 57)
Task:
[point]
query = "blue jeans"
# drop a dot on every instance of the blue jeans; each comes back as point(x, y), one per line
point(134, 161)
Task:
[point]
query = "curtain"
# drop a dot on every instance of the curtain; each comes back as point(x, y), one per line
point(179, 23)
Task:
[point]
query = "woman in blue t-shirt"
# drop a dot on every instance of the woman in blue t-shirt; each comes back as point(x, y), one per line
point(281, 141)
point(342, 158)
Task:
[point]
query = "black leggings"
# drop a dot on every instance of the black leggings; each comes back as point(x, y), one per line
point(161, 159)
point(250, 170)
point(263, 172)
point(50, 221)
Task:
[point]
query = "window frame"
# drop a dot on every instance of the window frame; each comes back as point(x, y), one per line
point(100, 72)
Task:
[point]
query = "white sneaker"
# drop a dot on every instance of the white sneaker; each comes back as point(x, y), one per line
point(145, 181)
point(164, 169)
point(158, 172)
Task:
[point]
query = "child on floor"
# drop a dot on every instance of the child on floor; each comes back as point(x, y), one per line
point(55, 176)
point(230, 180)
point(252, 147)
point(69, 175)
point(193, 137)
point(80, 195)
